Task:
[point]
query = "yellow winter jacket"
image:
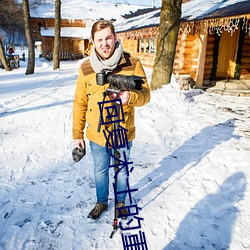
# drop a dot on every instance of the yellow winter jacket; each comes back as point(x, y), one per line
point(88, 94)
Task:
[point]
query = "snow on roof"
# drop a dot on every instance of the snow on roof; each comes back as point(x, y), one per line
point(85, 10)
point(79, 32)
point(145, 20)
point(197, 9)
point(192, 10)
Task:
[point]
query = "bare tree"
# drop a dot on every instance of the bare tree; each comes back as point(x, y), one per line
point(36, 3)
point(11, 24)
point(28, 33)
point(11, 16)
point(56, 59)
point(3, 57)
point(168, 34)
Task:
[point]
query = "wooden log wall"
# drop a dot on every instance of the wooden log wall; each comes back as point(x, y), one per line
point(190, 56)
point(210, 72)
point(79, 46)
point(178, 61)
point(209, 57)
point(131, 46)
point(50, 22)
point(187, 50)
point(245, 60)
point(66, 44)
point(73, 45)
point(185, 59)
point(146, 59)
point(47, 45)
point(186, 55)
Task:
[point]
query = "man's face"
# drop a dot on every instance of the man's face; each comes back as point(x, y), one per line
point(104, 42)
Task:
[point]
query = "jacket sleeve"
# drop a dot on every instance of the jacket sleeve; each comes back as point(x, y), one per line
point(80, 106)
point(139, 98)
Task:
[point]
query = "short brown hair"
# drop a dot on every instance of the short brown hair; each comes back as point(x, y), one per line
point(101, 24)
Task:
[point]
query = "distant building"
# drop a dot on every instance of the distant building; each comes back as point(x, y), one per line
point(77, 19)
point(75, 36)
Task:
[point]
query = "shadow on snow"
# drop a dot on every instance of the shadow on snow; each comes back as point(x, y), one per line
point(190, 153)
point(209, 225)
point(211, 221)
point(23, 110)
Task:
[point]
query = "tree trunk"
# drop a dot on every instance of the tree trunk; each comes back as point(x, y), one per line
point(3, 57)
point(28, 33)
point(168, 34)
point(56, 59)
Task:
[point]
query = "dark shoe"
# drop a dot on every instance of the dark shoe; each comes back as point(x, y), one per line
point(121, 210)
point(97, 210)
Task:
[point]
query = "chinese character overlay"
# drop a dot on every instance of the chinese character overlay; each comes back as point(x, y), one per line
point(122, 163)
point(128, 223)
point(111, 112)
point(116, 139)
point(133, 242)
point(130, 213)
point(129, 191)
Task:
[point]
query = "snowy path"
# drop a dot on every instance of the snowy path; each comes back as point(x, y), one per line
point(199, 184)
point(190, 157)
point(34, 146)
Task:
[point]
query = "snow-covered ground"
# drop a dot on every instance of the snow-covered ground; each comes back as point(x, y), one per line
point(190, 158)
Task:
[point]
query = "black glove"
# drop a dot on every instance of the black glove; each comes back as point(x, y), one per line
point(78, 153)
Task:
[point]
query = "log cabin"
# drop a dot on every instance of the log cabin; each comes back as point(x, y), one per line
point(77, 19)
point(213, 41)
point(74, 37)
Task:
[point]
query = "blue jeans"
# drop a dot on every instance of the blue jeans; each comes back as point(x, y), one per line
point(102, 160)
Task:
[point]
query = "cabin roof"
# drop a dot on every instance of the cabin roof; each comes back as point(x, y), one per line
point(84, 10)
point(208, 9)
point(193, 10)
point(140, 21)
point(77, 32)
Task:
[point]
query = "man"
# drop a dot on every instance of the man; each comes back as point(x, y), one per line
point(107, 54)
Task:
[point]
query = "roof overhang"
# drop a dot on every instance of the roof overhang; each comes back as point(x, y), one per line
point(73, 32)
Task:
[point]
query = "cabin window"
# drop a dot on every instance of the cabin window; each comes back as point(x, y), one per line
point(140, 45)
point(152, 45)
point(146, 45)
